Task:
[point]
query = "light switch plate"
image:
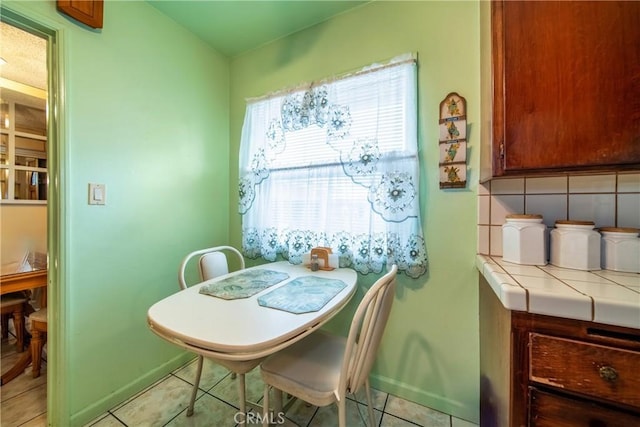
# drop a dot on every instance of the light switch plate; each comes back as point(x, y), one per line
point(97, 194)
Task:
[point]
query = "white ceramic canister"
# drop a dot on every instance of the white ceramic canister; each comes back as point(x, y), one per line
point(620, 249)
point(524, 239)
point(575, 244)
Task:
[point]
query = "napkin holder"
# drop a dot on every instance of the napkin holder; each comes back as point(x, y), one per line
point(326, 260)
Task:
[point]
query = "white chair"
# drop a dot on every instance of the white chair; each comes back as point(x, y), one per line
point(212, 263)
point(322, 368)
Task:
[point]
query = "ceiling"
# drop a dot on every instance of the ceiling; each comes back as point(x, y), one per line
point(235, 27)
point(23, 78)
point(25, 55)
point(232, 27)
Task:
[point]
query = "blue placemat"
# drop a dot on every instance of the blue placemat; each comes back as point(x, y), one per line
point(245, 284)
point(303, 295)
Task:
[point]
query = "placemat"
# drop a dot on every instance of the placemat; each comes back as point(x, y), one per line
point(245, 284)
point(302, 295)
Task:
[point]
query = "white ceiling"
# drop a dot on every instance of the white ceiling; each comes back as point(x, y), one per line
point(23, 78)
point(26, 57)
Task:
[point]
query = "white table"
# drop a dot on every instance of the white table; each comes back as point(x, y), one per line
point(240, 333)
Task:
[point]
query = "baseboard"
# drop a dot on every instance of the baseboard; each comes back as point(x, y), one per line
point(423, 397)
point(102, 406)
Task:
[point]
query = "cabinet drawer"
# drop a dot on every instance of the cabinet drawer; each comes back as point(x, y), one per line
point(549, 410)
point(589, 369)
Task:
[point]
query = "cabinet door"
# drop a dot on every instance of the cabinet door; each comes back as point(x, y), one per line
point(566, 85)
point(89, 12)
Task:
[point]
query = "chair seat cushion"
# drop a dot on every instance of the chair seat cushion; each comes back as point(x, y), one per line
point(309, 369)
point(39, 316)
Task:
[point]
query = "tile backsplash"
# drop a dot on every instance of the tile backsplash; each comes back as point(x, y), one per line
point(609, 200)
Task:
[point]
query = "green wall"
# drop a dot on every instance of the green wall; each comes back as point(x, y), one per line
point(430, 349)
point(155, 114)
point(146, 113)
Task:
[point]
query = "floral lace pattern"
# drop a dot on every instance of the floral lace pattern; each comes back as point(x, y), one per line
point(393, 196)
point(275, 136)
point(361, 161)
point(364, 253)
point(304, 109)
point(391, 189)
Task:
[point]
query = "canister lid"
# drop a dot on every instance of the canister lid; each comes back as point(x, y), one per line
point(574, 222)
point(523, 216)
point(620, 230)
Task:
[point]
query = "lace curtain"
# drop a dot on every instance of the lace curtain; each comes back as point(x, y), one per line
point(336, 165)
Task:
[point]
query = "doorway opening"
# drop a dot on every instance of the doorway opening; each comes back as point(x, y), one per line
point(30, 172)
point(23, 149)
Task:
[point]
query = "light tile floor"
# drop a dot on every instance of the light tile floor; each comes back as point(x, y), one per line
point(164, 403)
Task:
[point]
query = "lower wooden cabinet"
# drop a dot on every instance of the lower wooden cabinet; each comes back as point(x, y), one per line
point(547, 371)
point(553, 410)
point(601, 371)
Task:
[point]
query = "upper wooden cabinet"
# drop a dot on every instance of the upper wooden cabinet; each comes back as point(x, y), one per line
point(89, 12)
point(561, 86)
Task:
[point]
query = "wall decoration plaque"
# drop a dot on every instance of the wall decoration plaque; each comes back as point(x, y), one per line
point(453, 141)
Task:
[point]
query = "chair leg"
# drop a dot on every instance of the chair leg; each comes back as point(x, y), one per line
point(372, 418)
point(265, 406)
point(5, 326)
point(277, 397)
point(196, 384)
point(342, 412)
point(18, 323)
point(37, 342)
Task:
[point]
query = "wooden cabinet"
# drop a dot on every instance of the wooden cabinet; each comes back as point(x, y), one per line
point(562, 84)
point(601, 371)
point(547, 371)
point(88, 12)
point(552, 410)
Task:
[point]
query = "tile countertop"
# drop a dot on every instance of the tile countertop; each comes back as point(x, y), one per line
point(602, 296)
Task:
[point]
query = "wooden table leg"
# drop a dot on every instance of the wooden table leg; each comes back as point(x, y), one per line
point(17, 369)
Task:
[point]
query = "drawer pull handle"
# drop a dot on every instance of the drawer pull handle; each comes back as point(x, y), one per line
point(608, 373)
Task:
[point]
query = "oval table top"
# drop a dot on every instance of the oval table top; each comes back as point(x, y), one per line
point(242, 329)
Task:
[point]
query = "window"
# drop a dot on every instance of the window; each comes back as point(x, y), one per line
point(23, 149)
point(335, 164)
